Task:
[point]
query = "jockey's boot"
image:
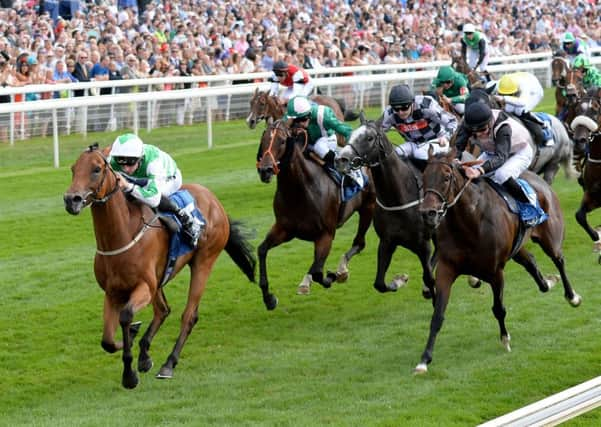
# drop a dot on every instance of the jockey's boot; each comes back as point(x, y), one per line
point(329, 159)
point(514, 188)
point(192, 226)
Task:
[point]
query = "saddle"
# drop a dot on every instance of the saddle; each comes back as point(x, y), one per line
point(350, 185)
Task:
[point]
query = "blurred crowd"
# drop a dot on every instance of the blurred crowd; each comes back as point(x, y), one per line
point(62, 41)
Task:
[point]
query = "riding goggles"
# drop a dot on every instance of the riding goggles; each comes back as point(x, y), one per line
point(401, 107)
point(126, 161)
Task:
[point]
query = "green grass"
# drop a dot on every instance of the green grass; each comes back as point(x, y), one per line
point(342, 356)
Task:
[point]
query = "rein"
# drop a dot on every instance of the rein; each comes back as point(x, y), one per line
point(269, 151)
point(135, 240)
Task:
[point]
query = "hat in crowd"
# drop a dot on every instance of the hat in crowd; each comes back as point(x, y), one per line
point(469, 28)
point(427, 48)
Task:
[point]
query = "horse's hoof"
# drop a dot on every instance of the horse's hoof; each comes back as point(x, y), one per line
point(144, 365)
point(420, 369)
point(552, 280)
point(165, 373)
point(342, 277)
point(576, 300)
point(303, 290)
point(474, 282)
point(398, 282)
point(505, 341)
point(271, 302)
point(130, 380)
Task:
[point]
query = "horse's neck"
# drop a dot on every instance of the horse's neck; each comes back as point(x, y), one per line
point(466, 216)
point(112, 224)
point(396, 181)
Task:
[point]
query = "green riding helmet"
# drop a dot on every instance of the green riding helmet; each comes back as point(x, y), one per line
point(445, 74)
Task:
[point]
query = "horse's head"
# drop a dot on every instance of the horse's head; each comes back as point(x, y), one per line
point(91, 181)
point(273, 148)
point(559, 70)
point(586, 123)
point(263, 107)
point(443, 184)
point(366, 146)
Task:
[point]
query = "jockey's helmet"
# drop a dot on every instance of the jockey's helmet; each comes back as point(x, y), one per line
point(477, 116)
point(400, 95)
point(468, 28)
point(445, 74)
point(127, 146)
point(581, 61)
point(280, 67)
point(568, 37)
point(508, 85)
point(298, 107)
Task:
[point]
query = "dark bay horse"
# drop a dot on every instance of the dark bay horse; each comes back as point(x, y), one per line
point(568, 87)
point(477, 235)
point(266, 107)
point(397, 219)
point(587, 138)
point(307, 205)
point(132, 256)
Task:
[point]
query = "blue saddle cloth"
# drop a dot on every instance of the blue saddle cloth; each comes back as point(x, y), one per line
point(548, 128)
point(178, 244)
point(350, 186)
point(530, 214)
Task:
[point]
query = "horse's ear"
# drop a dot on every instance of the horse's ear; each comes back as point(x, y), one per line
point(430, 152)
point(362, 118)
point(93, 147)
point(106, 151)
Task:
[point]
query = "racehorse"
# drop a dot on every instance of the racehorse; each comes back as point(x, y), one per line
point(473, 76)
point(132, 256)
point(477, 234)
point(587, 139)
point(307, 205)
point(267, 107)
point(398, 184)
point(568, 87)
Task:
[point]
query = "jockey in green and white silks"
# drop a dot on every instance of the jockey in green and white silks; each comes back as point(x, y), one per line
point(321, 124)
point(574, 47)
point(474, 48)
point(151, 176)
point(590, 75)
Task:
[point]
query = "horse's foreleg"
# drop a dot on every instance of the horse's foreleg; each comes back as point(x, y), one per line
point(445, 276)
point(276, 236)
point(587, 205)
point(322, 247)
point(138, 299)
point(385, 250)
point(161, 311)
point(498, 309)
point(111, 321)
point(365, 218)
point(527, 260)
point(427, 275)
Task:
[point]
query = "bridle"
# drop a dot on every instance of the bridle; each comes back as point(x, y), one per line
point(445, 206)
point(273, 129)
point(94, 194)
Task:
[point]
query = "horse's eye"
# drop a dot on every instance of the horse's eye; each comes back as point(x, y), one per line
point(97, 169)
point(447, 178)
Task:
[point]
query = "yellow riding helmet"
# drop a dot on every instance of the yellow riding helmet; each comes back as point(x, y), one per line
point(508, 85)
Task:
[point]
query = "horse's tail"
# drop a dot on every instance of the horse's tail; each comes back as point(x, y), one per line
point(240, 250)
point(349, 115)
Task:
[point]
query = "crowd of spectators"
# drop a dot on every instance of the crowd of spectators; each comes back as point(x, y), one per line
point(71, 40)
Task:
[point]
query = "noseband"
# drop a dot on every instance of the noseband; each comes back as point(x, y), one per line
point(444, 207)
point(269, 152)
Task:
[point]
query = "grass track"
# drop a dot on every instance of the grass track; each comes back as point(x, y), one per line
point(339, 357)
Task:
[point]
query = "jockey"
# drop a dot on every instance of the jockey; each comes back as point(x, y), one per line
point(454, 87)
point(151, 176)
point(321, 124)
point(296, 80)
point(573, 47)
point(504, 143)
point(474, 48)
point(421, 121)
point(591, 77)
point(520, 93)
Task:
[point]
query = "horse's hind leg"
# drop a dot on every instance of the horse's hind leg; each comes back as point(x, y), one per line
point(553, 250)
point(198, 279)
point(276, 236)
point(587, 205)
point(498, 309)
point(527, 260)
point(161, 311)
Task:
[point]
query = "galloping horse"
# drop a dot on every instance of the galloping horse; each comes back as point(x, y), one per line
point(477, 235)
point(307, 205)
point(132, 256)
point(267, 107)
point(568, 88)
point(397, 220)
point(587, 139)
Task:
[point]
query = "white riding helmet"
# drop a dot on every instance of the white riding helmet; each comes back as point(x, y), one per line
point(298, 107)
point(469, 28)
point(127, 145)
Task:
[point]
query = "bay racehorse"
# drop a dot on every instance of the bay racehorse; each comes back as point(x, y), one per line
point(307, 205)
point(267, 107)
point(474, 77)
point(399, 191)
point(132, 256)
point(477, 234)
point(586, 127)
